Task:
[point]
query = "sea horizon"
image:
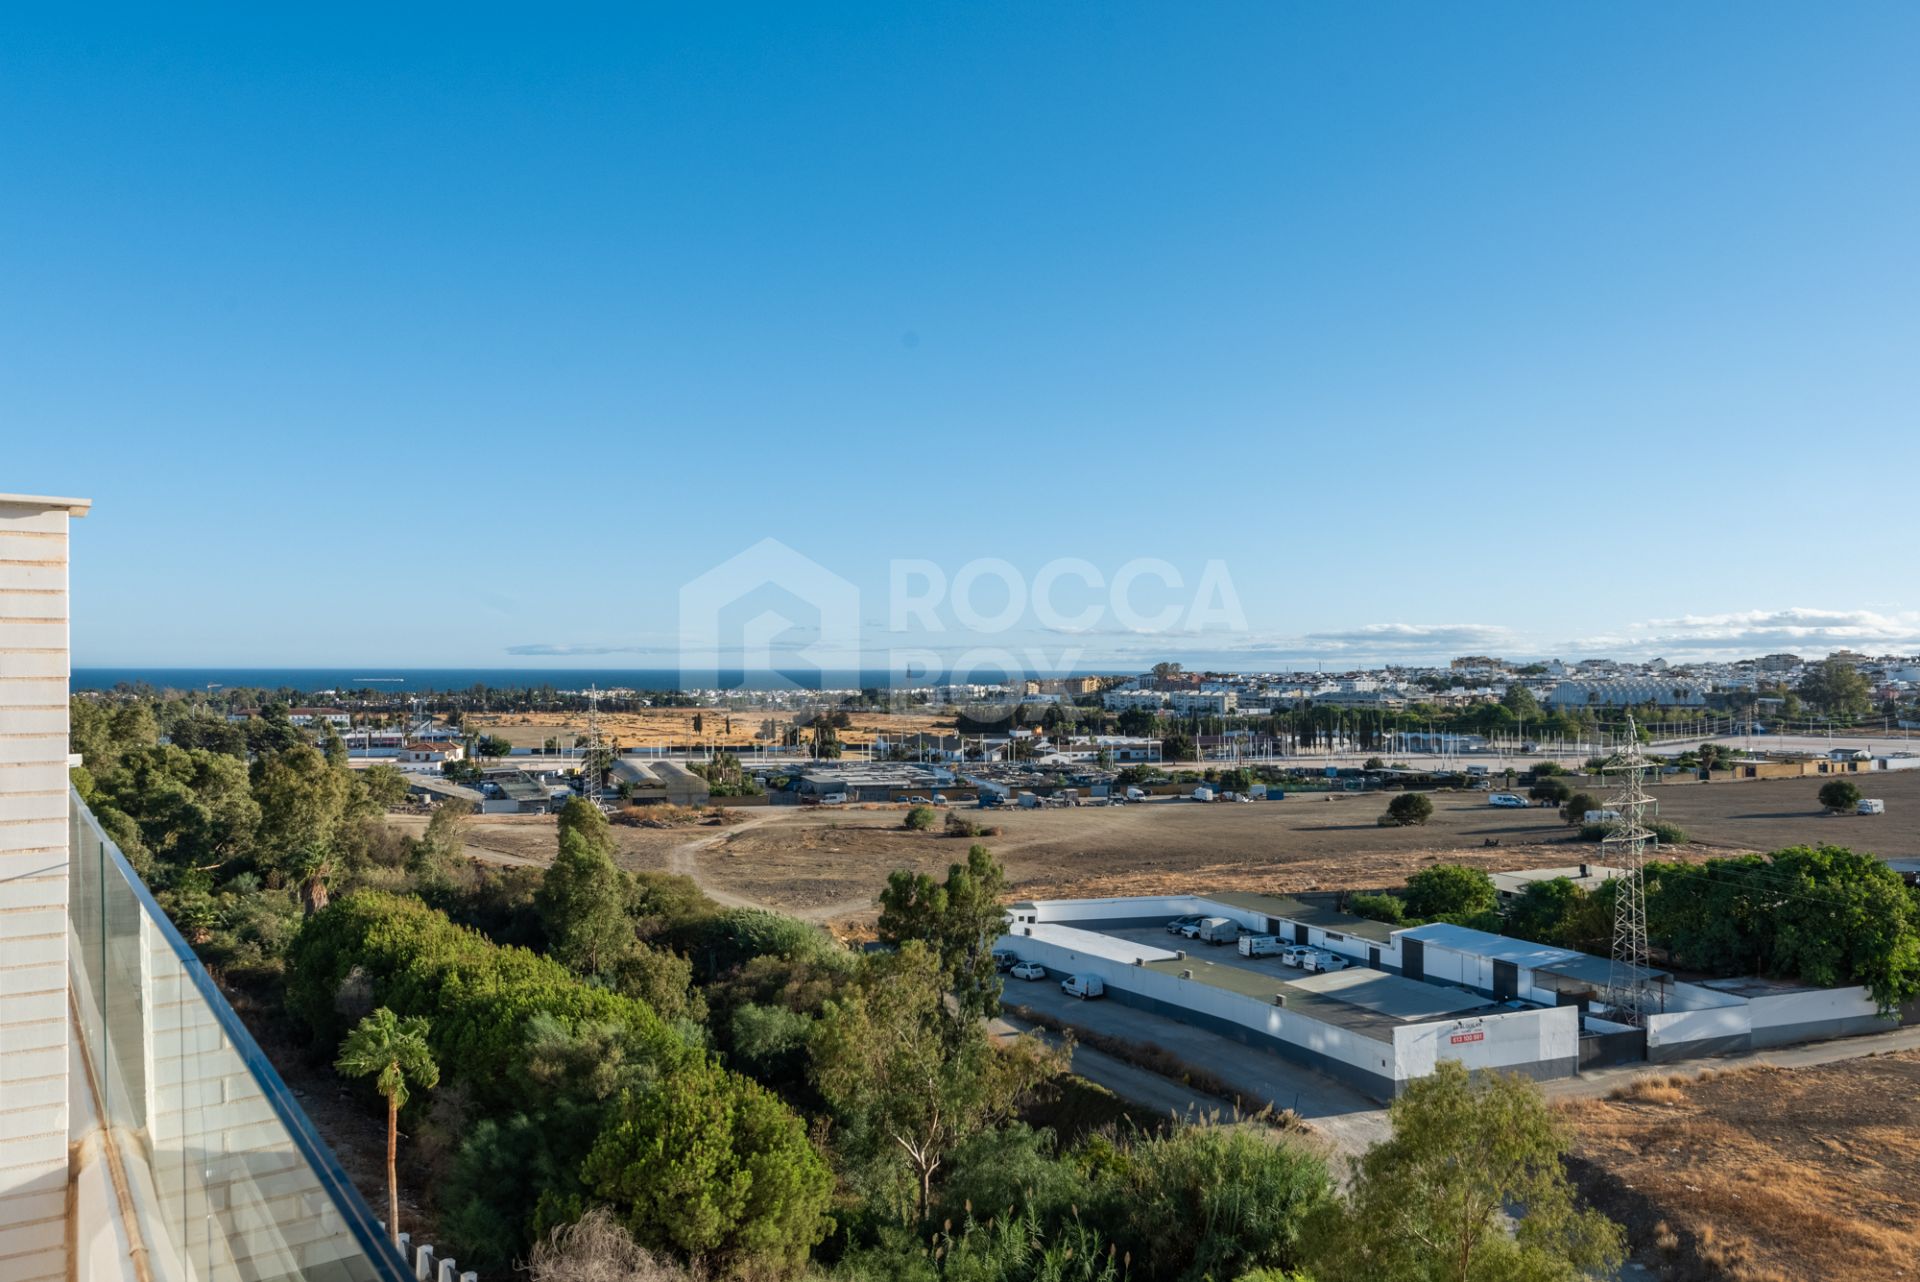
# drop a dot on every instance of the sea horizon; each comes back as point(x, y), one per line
point(415, 680)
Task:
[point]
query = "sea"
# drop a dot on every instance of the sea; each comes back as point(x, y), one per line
point(423, 680)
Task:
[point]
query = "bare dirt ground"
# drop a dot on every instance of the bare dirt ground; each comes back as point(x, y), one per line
point(1762, 1174)
point(828, 864)
point(656, 726)
point(1768, 814)
point(528, 840)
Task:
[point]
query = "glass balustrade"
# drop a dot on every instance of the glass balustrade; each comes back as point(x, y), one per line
point(232, 1183)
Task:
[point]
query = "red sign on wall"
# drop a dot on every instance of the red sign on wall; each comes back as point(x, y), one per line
point(1475, 1036)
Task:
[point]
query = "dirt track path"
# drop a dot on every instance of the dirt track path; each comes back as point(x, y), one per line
point(684, 859)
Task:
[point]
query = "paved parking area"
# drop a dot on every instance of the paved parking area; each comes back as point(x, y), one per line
point(1349, 1120)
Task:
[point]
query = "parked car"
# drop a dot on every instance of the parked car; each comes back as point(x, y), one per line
point(1508, 801)
point(1261, 946)
point(1083, 986)
point(1178, 926)
point(1294, 954)
point(1003, 960)
point(1321, 959)
point(1028, 970)
point(939, 799)
point(1870, 806)
point(833, 798)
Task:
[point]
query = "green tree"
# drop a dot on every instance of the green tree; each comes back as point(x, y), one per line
point(1839, 796)
point(1430, 1204)
point(1549, 790)
point(1450, 890)
point(1542, 912)
point(436, 857)
point(494, 745)
point(1210, 1201)
point(1386, 908)
point(1837, 688)
point(918, 819)
point(713, 1166)
point(1574, 809)
point(1844, 917)
point(959, 921)
point(191, 807)
point(582, 903)
point(1409, 808)
point(1520, 702)
point(385, 785)
point(303, 803)
point(904, 1082)
point(392, 1051)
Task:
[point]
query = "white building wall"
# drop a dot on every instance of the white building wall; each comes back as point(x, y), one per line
point(1517, 1039)
point(34, 1029)
point(1677, 1034)
point(1069, 911)
point(1826, 1012)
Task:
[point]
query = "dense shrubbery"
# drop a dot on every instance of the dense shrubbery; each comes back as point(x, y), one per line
point(1825, 914)
point(478, 994)
point(1386, 908)
point(1665, 833)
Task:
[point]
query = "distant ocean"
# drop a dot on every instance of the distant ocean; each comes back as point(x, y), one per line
point(416, 680)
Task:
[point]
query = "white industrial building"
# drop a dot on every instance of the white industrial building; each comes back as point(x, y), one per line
point(1370, 1028)
point(1415, 995)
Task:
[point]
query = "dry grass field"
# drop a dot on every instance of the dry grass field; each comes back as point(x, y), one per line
point(656, 726)
point(1762, 1174)
point(830, 863)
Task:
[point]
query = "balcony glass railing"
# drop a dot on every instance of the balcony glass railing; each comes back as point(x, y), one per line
point(230, 1181)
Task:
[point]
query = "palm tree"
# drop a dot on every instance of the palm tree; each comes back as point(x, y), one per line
point(312, 865)
point(392, 1051)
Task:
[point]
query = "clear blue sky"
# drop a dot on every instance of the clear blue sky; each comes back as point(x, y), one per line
point(469, 334)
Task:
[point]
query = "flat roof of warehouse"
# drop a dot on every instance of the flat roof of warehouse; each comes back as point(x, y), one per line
point(1406, 1000)
point(1093, 943)
point(1311, 914)
point(1370, 1002)
point(1521, 952)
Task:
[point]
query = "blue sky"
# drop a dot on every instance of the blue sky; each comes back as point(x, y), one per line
point(469, 335)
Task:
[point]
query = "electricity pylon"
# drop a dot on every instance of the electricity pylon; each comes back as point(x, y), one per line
point(1629, 983)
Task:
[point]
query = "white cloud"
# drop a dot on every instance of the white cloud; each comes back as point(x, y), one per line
point(1738, 634)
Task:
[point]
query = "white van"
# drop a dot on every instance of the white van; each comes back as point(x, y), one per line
point(1321, 959)
point(1260, 945)
point(1870, 806)
point(1083, 986)
point(1218, 930)
point(1294, 954)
